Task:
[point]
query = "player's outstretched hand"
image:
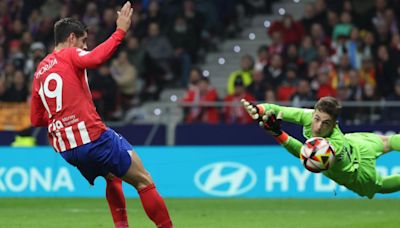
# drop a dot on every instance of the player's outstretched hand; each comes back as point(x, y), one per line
point(124, 19)
point(272, 123)
point(252, 110)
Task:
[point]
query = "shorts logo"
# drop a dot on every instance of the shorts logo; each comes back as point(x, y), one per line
point(225, 179)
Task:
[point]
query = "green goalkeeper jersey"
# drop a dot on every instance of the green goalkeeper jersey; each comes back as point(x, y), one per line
point(349, 150)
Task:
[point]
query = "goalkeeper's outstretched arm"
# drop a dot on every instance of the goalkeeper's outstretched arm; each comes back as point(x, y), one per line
point(292, 145)
point(272, 124)
point(300, 116)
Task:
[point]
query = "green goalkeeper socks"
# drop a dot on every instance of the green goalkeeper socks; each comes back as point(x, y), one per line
point(394, 142)
point(390, 184)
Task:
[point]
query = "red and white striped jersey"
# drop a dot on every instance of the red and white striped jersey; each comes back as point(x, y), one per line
point(61, 98)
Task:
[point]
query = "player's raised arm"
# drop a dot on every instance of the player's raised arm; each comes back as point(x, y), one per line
point(84, 59)
point(300, 116)
point(272, 124)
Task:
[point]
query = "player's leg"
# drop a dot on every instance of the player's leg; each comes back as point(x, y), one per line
point(152, 202)
point(391, 142)
point(390, 184)
point(116, 201)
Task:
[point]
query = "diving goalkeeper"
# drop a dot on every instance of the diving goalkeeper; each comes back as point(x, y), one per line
point(356, 153)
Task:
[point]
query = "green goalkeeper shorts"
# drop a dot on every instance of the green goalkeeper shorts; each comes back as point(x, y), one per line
point(369, 147)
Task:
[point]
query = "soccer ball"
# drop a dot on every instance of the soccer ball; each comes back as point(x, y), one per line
point(317, 155)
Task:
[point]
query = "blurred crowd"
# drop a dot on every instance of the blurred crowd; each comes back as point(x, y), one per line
point(334, 50)
point(167, 39)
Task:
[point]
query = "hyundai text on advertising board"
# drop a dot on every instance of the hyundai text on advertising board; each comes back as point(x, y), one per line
point(214, 171)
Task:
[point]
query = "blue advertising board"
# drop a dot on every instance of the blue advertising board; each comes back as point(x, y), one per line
point(206, 171)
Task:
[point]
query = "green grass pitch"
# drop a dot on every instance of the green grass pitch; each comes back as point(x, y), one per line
point(207, 213)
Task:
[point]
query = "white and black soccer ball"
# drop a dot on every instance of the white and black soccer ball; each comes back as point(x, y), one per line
point(317, 155)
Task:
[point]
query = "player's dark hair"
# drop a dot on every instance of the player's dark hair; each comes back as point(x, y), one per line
point(66, 26)
point(330, 106)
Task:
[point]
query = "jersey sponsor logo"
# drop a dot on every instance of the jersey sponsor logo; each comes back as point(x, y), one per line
point(225, 179)
point(33, 179)
point(57, 130)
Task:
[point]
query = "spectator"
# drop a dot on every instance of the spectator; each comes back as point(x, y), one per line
point(107, 25)
point(392, 113)
point(139, 25)
point(390, 20)
point(16, 30)
point(234, 112)
point(324, 61)
point(309, 17)
point(321, 11)
point(154, 15)
point(194, 20)
point(395, 48)
point(319, 36)
point(332, 21)
point(311, 74)
point(344, 27)
point(3, 88)
point(385, 72)
point(354, 92)
point(375, 16)
point(2, 60)
point(104, 92)
point(354, 86)
point(307, 51)
point(194, 77)
point(199, 98)
point(340, 77)
point(183, 41)
point(273, 73)
point(91, 18)
point(147, 68)
point(36, 53)
point(270, 96)
point(353, 48)
point(370, 114)
point(257, 87)
point(291, 31)
point(325, 86)
point(159, 48)
point(18, 91)
point(382, 34)
point(276, 46)
point(367, 72)
point(125, 75)
point(262, 58)
point(292, 57)
point(303, 95)
point(289, 84)
point(246, 71)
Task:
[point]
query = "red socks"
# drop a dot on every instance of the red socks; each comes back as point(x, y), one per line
point(116, 202)
point(154, 206)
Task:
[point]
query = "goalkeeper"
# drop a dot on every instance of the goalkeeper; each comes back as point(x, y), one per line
point(356, 153)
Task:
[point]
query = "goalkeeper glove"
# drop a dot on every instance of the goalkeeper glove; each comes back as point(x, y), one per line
point(272, 123)
point(267, 120)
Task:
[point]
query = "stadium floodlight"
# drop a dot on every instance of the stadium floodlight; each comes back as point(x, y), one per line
point(157, 111)
point(281, 11)
point(236, 48)
point(206, 73)
point(252, 36)
point(267, 23)
point(173, 98)
point(221, 61)
point(296, 1)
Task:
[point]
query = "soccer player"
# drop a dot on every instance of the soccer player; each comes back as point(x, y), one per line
point(356, 153)
point(61, 100)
